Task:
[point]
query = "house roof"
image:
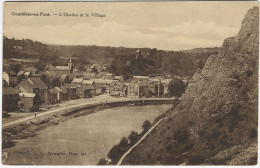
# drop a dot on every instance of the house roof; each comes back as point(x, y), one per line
point(27, 73)
point(52, 91)
point(62, 68)
point(124, 88)
point(58, 89)
point(90, 82)
point(63, 77)
point(38, 83)
point(89, 87)
point(166, 81)
point(10, 90)
point(141, 84)
point(119, 77)
point(77, 80)
point(141, 77)
point(26, 85)
point(104, 81)
point(20, 73)
point(64, 89)
point(100, 85)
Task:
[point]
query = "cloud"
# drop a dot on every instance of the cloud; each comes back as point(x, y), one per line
point(184, 36)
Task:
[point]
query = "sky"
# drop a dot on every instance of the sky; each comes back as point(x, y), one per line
point(162, 25)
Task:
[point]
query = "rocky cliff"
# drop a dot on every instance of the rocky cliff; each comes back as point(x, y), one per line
point(216, 121)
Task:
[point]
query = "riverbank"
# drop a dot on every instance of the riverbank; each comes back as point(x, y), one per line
point(78, 105)
point(120, 151)
point(29, 128)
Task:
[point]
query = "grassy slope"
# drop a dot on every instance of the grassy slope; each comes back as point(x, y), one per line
point(216, 121)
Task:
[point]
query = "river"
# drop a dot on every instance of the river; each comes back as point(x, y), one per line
point(82, 140)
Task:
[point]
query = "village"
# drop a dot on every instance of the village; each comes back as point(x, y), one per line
point(33, 91)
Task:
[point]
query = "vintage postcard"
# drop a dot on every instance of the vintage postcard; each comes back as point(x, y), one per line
point(130, 83)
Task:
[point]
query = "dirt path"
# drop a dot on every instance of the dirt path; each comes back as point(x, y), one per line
point(140, 140)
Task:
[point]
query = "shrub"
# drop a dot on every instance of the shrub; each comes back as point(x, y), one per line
point(253, 133)
point(102, 161)
point(201, 133)
point(181, 136)
point(146, 125)
point(214, 134)
point(118, 150)
point(133, 137)
point(169, 148)
point(7, 144)
point(253, 160)
point(249, 73)
point(176, 87)
point(196, 160)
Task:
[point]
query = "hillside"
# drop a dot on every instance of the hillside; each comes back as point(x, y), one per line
point(168, 63)
point(216, 120)
point(172, 63)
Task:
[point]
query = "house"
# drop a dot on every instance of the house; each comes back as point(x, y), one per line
point(20, 75)
point(98, 89)
point(89, 82)
point(63, 79)
point(101, 86)
point(156, 88)
point(77, 81)
point(13, 79)
point(34, 85)
point(27, 74)
point(117, 89)
point(140, 78)
point(18, 47)
point(10, 99)
point(108, 76)
point(65, 95)
point(119, 78)
point(37, 75)
point(63, 70)
point(88, 91)
point(59, 95)
point(144, 79)
point(27, 100)
point(137, 89)
point(105, 82)
point(156, 76)
point(5, 79)
point(30, 85)
point(72, 91)
point(165, 83)
point(52, 96)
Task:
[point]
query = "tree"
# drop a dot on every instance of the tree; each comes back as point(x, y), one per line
point(55, 82)
point(102, 161)
point(176, 87)
point(118, 150)
point(36, 102)
point(94, 70)
point(16, 67)
point(133, 137)
point(123, 142)
point(146, 125)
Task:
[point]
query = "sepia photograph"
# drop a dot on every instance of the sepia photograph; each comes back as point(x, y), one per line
point(130, 83)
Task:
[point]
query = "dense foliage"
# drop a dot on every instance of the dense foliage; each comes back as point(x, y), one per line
point(172, 63)
point(176, 87)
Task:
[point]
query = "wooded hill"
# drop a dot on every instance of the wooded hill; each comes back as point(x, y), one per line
point(122, 60)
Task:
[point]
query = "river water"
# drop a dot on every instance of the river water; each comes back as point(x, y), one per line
point(82, 140)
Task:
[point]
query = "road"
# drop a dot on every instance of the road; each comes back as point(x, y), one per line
point(91, 102)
